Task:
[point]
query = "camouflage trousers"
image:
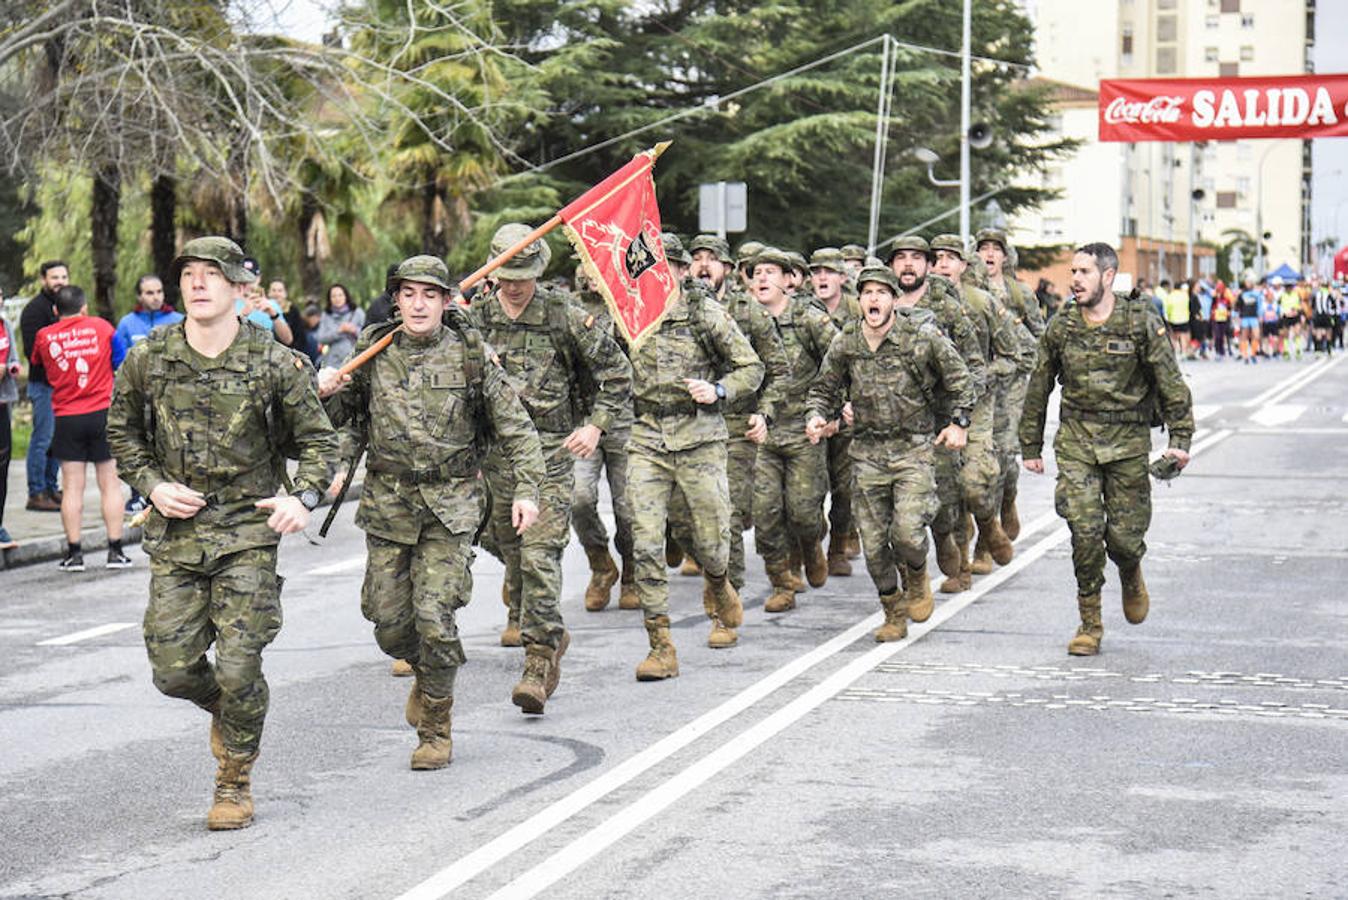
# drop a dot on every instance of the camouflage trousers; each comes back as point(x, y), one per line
point(533, 561)
point(969, 478)
point(654, 479)
point(840, 483)
point(790, 482)
point(1108, 509)
point(411, 593)
point(233, 602)
point(894, 501)
point(609, 459)
point(1006, 426)
point(741, 457)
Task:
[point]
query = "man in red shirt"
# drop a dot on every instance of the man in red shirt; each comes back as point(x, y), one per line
point(77, 354)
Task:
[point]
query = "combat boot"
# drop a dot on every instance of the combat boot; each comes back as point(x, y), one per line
point(896, 620)
point(217, 736)
point(435, 748)
point(1086, 642)
point(816, 566)
point(531, 692)
point(793, 571)
point(725, 601)
point(853, 544)
point(555, 672)
point(918, 594)
point(603, 575)
point(690, 568)
point(948, 554)
point(1136, 600)
point(838, 563)
point(412, 708)
point(965, 579)
point(662, 662)
point(995, 541)
point(233, 805)
point(627, 588)
point(673, 552)
point(401, 668)
point(782, 597)
point(1010, 516)
point(505, 595)
point(721, 635)
point(511, 637)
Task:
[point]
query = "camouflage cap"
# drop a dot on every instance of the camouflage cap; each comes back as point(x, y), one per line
point(529, 262)
point(674, 250)
point(828, 258)
point(219, 250)
point(771, 255)
point(995, 235)
point(881, 275)
point(910, 242)
point(717, 245)
point(798, 262)
point(424, 270)
point(951, 243)
point(853, 251)
point(747, 251)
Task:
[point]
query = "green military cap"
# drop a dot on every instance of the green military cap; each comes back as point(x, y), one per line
point(798, 262)
point(674, 250)
point(713, 243)
point(910, 242)
point(853, 251)
point(772, 255)
point(424, 270)
point(951, 243)
point(747, 251)
point(881, 275)
point(828, 258)
point(995, 235)
point(529, 262)
point(219, 250)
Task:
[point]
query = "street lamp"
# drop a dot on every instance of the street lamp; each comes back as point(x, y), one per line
point(1259, 214)
point(931, 158)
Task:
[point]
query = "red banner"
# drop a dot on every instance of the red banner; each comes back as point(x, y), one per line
point(615, 228)
point(1224, 109)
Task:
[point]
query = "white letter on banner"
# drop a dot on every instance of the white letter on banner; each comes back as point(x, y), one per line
point(1252, 114)
point(1323, 111)
point(1228, 114)
point(1202, 117)
point(1274, 98)
point(1295, 105)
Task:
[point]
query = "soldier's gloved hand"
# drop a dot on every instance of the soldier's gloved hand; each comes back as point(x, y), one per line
point(288, 514)
point(848, 415)
point(330, 381)
point(523, 513)
point(176, 501)
point(1034, 465)
point(952, 436)
point(758, 429)
point(814, 428)
point(583, 441)
point(701, 391)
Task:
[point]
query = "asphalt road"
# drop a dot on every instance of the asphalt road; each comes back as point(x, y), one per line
point(1202, 754)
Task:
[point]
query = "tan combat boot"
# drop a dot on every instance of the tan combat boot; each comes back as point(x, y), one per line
point(721, 635)
point(690, 568)
point(555, 671)
point(412, 708)
point(662, 662)
point(1010, 516)
point(793, 570)
point(603, 575)
point(816, 565)
point(896, 620)
point(401, 668)
point(838, 563)
point(435, 748)
point(982, 563)
point(918, 593)
point(627, 589)
point(233, 805)
point(505, 595)
point(948, 554)
point(1136, 600)
point(853, 544)
point(965, 579)
point(995, 541)
point(530, 692)
point(1086, 642)
point(673, 552)
point(782, 597)
point(511, 637)
point(725, 601)
point(217, 736)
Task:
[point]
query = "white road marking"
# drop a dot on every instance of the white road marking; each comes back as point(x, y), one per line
point(1205, 410)
point(1275, 414)
point(86, 634)
point(1292, 385)
point(1271, 394)
point(1285, 432)
point(337, 568)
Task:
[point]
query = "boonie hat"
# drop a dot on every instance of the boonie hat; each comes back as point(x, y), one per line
point(529, 262)
point(423, 269)
point(219, 250)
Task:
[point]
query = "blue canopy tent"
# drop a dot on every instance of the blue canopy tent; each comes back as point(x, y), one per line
point(1285, 272)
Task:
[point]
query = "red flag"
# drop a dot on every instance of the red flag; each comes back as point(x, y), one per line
point(615, 227)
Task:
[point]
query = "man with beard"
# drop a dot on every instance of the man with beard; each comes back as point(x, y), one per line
point(44, 494)
point(889, 364)
point(1118, 372)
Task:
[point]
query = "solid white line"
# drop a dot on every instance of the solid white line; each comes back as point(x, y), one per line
point(337, 568)
point(1285, 432)
point(96, 631)
point(1268, 394)
point(1278, 414)
point(1205, 410)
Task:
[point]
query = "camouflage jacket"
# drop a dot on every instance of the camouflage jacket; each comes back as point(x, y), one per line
point(1113, 375)
point(893, 388)
point(807, 331)
point(848, 308)
point(997, 332)
point(942, 300)
point(757, 325)
point(427, 406)
point(666, 416)
point(221, 426)
point(1019, 299)
point(562, 362)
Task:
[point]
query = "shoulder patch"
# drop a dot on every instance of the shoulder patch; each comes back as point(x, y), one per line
point(589, 321)
point(1161, 330)
point(299, 364)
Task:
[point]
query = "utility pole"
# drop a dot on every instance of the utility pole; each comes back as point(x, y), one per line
point(965, 101)
point(881, 140)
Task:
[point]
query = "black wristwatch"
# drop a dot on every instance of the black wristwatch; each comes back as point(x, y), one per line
point(720, 391)
point(961, 418)
point(310, 498)
point(274, 316)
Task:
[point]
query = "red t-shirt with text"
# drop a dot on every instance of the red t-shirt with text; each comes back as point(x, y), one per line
point(77, 354)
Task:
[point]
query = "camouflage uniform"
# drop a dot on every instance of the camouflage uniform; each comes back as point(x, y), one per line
point(840, 525)
point(223, 427)
point(1107, 374)
point(548, 354)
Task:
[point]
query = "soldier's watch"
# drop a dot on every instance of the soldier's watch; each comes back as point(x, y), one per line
point(961, 418)
point(720, 391)
point(310, 499)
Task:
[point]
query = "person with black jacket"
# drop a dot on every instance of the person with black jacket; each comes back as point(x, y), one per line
point(44, 493)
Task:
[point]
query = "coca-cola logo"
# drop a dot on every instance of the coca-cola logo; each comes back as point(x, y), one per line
point(1158, 110)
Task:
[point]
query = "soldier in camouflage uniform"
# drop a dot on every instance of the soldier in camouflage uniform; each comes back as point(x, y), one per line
point(890, 364)
point(792, 474)
point(203, 415)
point(1118, 374)
point(978, 475)
point(610, 461)
point(559, 360)
point(829, 278)
point(424, 408)
point(743, 270)
point(854, 257)
point(692, 362)
point(992, 245)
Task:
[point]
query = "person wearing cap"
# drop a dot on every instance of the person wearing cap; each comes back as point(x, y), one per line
point(576, 384)
point(797, 273)
point(422, 408)
point(609, 461)
point(743, 257)
point(968, 482)
point(204, 413)
point(1118, 374)
point(831, 283)
point(854, 258)
point(685, 371)
point(792, 473)
point(991, 244)
point(882, 375)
